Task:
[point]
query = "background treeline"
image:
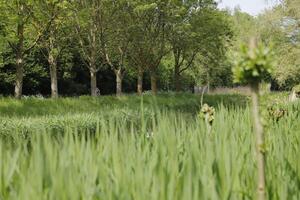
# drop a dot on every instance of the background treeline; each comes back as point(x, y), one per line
point(74, 47)
point(280, 28)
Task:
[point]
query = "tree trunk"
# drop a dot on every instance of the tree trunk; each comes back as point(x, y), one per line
point(92, 67)
point(119, 79)
point(258, 128)
point(93, 82)
point(52, 60)
point(177, 80)
point(19, 61)
point(53, 75)
point(19, 78)
point(153, 83)
point(93, 52)
point(140, 81)
point(208, 82)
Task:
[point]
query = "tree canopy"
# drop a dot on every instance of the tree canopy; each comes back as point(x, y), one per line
point(74, 47)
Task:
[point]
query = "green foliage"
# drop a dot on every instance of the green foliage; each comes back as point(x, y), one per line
point(280, 26)
point(193, 37)
point(252, 65)
point(116, 160)
point(136, 35)
point(244, 28)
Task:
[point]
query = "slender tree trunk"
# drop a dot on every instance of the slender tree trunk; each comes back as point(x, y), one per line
point(52, 60)
point(19, 77)
point(208, 82)
point(19, 61)
point(259, 142)
point(93, 72)
point(53, 76)
point(177, 78)
point(93, 82)
point(119, 79)
point(93, 52)
point(177, 53)
point(208, 87)
point(140, 81)
point(153, 78)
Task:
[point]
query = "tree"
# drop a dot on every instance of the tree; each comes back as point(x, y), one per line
point(148, 39)
point(121, 37)
point(90, 26)
point(55, 38)
point(182, 40)
point(117, 38)
point(280, 26)
point(200, 30)
point(244, 27)
point(22, 35)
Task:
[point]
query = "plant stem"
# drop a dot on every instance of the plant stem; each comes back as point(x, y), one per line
point(258, 128)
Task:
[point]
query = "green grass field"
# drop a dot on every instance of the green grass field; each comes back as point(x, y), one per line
point(143, 148)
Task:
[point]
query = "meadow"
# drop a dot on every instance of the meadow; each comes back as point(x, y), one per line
point(147, 147)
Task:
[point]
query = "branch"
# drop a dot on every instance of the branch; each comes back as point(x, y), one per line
point(40, 35)
point(113, 67)
point(108, 60)
point(12, 46)
point(189, 63)
point(182, 59)
point(78, 31)
point(45, 55)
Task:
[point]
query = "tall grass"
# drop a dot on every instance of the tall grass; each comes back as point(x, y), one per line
point(34, 107)
point(157, 152)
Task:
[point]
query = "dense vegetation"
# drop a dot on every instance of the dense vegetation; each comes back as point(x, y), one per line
point(157, 148)
point(279, 28)
point(163, 144)
point(107, 42)
point(67, 47)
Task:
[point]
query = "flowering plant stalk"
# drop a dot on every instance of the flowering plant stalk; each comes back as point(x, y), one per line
point(253, 65)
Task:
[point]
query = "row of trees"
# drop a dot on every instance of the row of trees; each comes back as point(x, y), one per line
point(135, 44)
point(126, 36)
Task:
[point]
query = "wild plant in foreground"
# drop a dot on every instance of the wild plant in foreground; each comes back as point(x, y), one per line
point(252, 66)
point(208, 114)
point(276, 113)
